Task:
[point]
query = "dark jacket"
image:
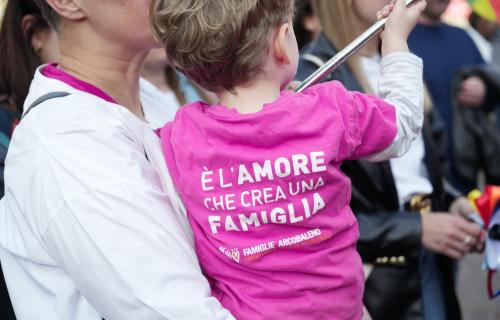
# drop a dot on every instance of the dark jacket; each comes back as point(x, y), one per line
point(8, 121)
point(392, 290)
point(477, 130)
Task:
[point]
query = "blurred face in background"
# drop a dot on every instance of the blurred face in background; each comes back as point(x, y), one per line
point(157, 59)
point(45, 43)
point(436, 8)
point(366, 11)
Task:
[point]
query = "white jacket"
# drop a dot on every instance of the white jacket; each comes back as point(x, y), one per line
point(90, 226)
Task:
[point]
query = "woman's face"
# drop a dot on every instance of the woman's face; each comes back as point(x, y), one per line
point(366, 11)
point(122, 21)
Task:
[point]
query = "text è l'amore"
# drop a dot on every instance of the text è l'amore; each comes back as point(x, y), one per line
point(298, 166)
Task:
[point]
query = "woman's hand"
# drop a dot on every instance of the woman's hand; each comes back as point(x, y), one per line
point(472, 92)
point(450, 234)
point(461, 207)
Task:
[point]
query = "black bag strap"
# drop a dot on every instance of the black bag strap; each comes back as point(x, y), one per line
point(45, 97)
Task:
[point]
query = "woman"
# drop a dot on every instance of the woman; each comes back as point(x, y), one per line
point(91, 227)
point(391, 237)
point(26, 41)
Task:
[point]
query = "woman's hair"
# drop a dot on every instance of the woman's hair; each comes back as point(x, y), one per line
point(336, 18)
point(19, 61)
point(173, 82)
point(48, 13)
point(303, 9)
point(218, 44)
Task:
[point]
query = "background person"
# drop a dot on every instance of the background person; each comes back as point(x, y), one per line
point(485, 34)
point(176, 89)
point(393, 235)
point(26, 41)
point(445, 50)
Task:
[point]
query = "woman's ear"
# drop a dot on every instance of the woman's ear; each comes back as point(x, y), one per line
point(280, 46)
point(26, 24)
point(69, 9)
point(36, 40)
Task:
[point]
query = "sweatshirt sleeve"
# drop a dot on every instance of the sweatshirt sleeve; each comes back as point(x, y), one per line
point(401, 84)
point(358, 124)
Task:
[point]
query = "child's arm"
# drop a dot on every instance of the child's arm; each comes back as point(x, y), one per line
point(401, 85)
point(401, 81)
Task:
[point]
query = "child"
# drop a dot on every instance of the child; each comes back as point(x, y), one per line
point(259, 172)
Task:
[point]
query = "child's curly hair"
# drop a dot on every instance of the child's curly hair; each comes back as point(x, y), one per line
point(218, 44)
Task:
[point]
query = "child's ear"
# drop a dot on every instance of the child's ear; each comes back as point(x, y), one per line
point(280, 44)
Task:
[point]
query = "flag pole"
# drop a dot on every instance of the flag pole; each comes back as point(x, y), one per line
point(346, 53)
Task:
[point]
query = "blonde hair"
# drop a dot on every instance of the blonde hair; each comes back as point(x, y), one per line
point(337, 17)
point(218, 44)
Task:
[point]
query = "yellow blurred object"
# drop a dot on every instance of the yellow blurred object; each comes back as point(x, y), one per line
point(472, 197)
point(485, 9)
point(3, 3)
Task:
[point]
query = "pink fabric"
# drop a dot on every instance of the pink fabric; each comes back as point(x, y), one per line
point(53, 72)
point(268, 203)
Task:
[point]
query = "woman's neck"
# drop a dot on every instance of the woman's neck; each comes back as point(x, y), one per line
point(114, 71)
point(372, 48)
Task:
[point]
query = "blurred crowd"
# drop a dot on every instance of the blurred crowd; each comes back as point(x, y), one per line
point(410, 210)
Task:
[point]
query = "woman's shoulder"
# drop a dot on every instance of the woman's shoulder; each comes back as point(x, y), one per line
point(321, 47)
point(79, 137)
point(314, 56)
point(69, 112)
point(77, 126)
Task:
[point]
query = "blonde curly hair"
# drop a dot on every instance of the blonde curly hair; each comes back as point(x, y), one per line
point(219, 44)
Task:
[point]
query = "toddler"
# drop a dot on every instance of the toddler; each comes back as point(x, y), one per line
point(259, 172)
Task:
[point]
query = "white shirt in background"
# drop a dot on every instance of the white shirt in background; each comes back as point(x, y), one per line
point(409, 171)
point(164, 104)
point(483, 45)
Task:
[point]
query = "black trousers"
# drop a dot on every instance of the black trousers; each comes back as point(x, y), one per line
point(6, 310)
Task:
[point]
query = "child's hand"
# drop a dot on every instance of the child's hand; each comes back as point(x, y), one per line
point(386, 10)
point(400, 23)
